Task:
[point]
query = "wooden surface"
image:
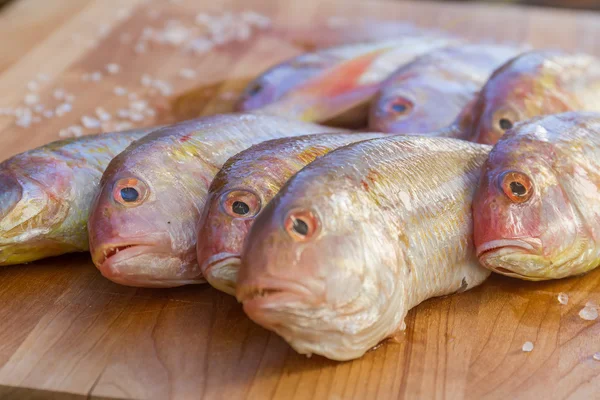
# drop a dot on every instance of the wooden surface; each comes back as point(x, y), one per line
point(65, 329)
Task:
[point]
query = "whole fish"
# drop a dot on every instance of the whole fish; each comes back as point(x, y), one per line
point(533, 84)
point(359, 237)
point(46, 195)
point(144, 222)
point(429, 93)
point(246, 184)
point(334, 82)
point(537, 209)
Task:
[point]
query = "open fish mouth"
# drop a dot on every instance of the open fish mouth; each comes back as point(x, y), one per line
point(220, 270)
point(271, 293)
point(529, 246)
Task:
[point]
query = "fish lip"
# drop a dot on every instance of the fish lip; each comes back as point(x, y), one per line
point(119, 250)
point(218, 262)
point(532, 246)
point(260, 294)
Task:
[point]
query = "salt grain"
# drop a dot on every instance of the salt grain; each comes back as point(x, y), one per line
point(31, 99)
point(527, 347)
point(121, 126)
point(43, 77)
point(33, 86)
point(102, 114)
point(96, 76)
point(140, 48)
point(39, 108)
point(120, 91)
point(563, 298)
point(48, 114)
point(113, 68)
point(89, 122)
point(76, 130)
point(136, 117)
point(59, 94)
point(187, 73)
point(62, 109)
point(123, 113)
point(163, 87)
point(588, 313)
point(146, 80)
point(69, 98)
point(596, 356)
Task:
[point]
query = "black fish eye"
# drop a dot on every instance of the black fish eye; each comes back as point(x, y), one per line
point(505, 124)
point(255, 88)
point(129, 194)
point(240, 208)
point(518, 189)
point(300, 227)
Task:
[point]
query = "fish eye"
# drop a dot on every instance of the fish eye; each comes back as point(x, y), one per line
point(517, 186)
point(505, 124)
point(240, 203)
point(301, 225)
point(130, 191)
point(254, 88)
point(400, 106)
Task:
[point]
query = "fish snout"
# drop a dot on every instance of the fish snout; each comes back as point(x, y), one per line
point(221, 270)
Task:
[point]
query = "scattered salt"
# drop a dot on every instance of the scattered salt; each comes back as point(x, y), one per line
point(102, 114)
point(140, 48)
point(33, 86)
point(187, 73)
point(121, 126)
point(120, 91)
point(123, 113)
point(588, 313)
point(76, 130)
point(69, 98)
point(136, 117)
point(563, 298)
point(39, 108)
point(146, 80)
point(103, 30)
point(163, 87)
point(48, 114)
point(139, 105)
point(201, 45)
point(31, 99)
point(89, 122)
point(527, 347)
point(43, 77)
point(596, 356)
point(150, 112)
point(113, 68)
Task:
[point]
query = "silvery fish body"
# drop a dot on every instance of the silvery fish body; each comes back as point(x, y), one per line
point(243, 187)
point(46, 195)
point(359, 237)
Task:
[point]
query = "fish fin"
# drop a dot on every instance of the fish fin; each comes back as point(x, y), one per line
point(342, 78)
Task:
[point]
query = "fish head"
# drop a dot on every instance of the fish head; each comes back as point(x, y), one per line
point(524, 223)
point(143, 223)
point(517, 93)
point(35, 197)
point(314, 271)
point(228, 215)
point(276, 82)
point(418, 104)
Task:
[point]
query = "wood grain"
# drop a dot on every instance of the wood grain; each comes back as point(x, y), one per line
point(65, 329)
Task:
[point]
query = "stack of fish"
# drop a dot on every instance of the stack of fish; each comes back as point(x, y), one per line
point(329, 236)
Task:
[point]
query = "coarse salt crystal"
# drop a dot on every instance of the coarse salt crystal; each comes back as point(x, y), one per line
point(123, 113)
point(163, 87)
point(588, 313)
point(59, 94)
point(113, 68)
point(136, 117)
point(563, 298)
point(31, 99)
point(62, 109)
point(70, 98)
point(527, 347)
point(76, 130)
point(102, 114)
point(39, 108)
point(150, 112)
point(33, 86)
point(187, 73)
point(89, 122)
point(48, 114)
point(146, 80)
point(121, 126)
point(256, 19)
point(139, 105)
point(120, 91)
point(596, 356)
point(96, 76)
point(43, 77)
point(140, 48)
point(201, 45)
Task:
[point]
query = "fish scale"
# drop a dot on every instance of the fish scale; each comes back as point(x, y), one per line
point(373, 251)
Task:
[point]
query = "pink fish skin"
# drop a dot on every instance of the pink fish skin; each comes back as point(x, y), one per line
point(143, 225)
point(429, 93)
point(246, 184)
point(46, 195)
point(360, 236)
point(539, 82)
point(537, 209)
point(334, 83)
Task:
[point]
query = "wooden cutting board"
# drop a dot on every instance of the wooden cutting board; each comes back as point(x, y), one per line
point(67, 332)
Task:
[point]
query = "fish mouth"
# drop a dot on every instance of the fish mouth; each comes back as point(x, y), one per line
point(271, 293)
point(220, 270)
point(530, 246)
